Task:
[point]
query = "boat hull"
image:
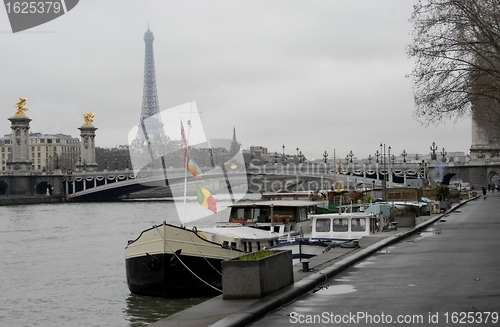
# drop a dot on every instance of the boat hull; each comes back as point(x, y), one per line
point(165, 276)
point(170, 261)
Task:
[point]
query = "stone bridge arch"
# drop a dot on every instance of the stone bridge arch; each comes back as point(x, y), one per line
point(42, 187)
point(493, 176)
point(4, 188)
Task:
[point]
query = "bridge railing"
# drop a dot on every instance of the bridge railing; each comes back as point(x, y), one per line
point(82, 181)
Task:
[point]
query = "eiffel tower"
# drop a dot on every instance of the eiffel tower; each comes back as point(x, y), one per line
point(152, 127)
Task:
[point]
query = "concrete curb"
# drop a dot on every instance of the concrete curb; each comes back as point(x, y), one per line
point(286, 295)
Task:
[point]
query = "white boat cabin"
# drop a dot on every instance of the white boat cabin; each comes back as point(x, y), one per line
point(279, 216)
point(253, 226)
point(343, 226)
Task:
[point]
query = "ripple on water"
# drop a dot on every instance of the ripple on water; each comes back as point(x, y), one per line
point(64, 264)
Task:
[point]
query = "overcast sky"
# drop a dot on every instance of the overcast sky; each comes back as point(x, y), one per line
point(313, 75)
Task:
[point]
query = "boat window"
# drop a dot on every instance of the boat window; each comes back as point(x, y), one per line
point(340, 225)
point(239, 213)
point(322, 225)
point(410, 195)
point(249, 214)
point(358, 224)
point(393, 195)
point(256, 212)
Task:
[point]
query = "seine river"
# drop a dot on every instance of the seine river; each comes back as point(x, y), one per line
point(63, 264)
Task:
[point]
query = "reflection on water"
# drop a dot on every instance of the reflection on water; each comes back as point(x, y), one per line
point(335, 289)
point(431, 231)
point(143, 310)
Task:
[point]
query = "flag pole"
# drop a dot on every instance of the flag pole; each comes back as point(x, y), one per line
point(185, 176)
point(186, 159)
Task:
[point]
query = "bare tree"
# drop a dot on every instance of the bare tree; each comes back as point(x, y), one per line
point(456, 47)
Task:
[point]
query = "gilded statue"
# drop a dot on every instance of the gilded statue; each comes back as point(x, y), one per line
point(20, 107)
point(88, 117)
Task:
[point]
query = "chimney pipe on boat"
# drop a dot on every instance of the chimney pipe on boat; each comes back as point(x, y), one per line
point(272, 218)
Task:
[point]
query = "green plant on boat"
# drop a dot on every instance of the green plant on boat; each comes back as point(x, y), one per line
point(442, 192)
point(368, 198)
point(257, 255)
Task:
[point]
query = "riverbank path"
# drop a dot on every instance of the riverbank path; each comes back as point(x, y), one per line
point(446, 275)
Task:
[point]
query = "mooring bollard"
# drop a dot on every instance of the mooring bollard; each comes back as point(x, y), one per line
point(305, 265)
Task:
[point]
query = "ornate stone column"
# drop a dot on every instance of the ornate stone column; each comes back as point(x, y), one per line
point(19, 160)
point(87, 145)
point(484, 147)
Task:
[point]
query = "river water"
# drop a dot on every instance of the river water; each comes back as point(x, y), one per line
point(63, 264)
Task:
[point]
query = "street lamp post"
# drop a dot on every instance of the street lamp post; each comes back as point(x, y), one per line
point(404, 154)
point(325, 159)
point(444, 153)
point(433, 149)
point(384, 196)
point(351, 155)
point(390, 166)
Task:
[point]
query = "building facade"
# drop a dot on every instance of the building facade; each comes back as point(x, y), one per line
point(48, 152)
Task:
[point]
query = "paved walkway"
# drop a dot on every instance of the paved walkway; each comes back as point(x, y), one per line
point(447, 275)
point(219, 312)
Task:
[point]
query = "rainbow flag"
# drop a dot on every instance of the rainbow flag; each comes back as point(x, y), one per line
point(206, 199)
point(193, 167)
